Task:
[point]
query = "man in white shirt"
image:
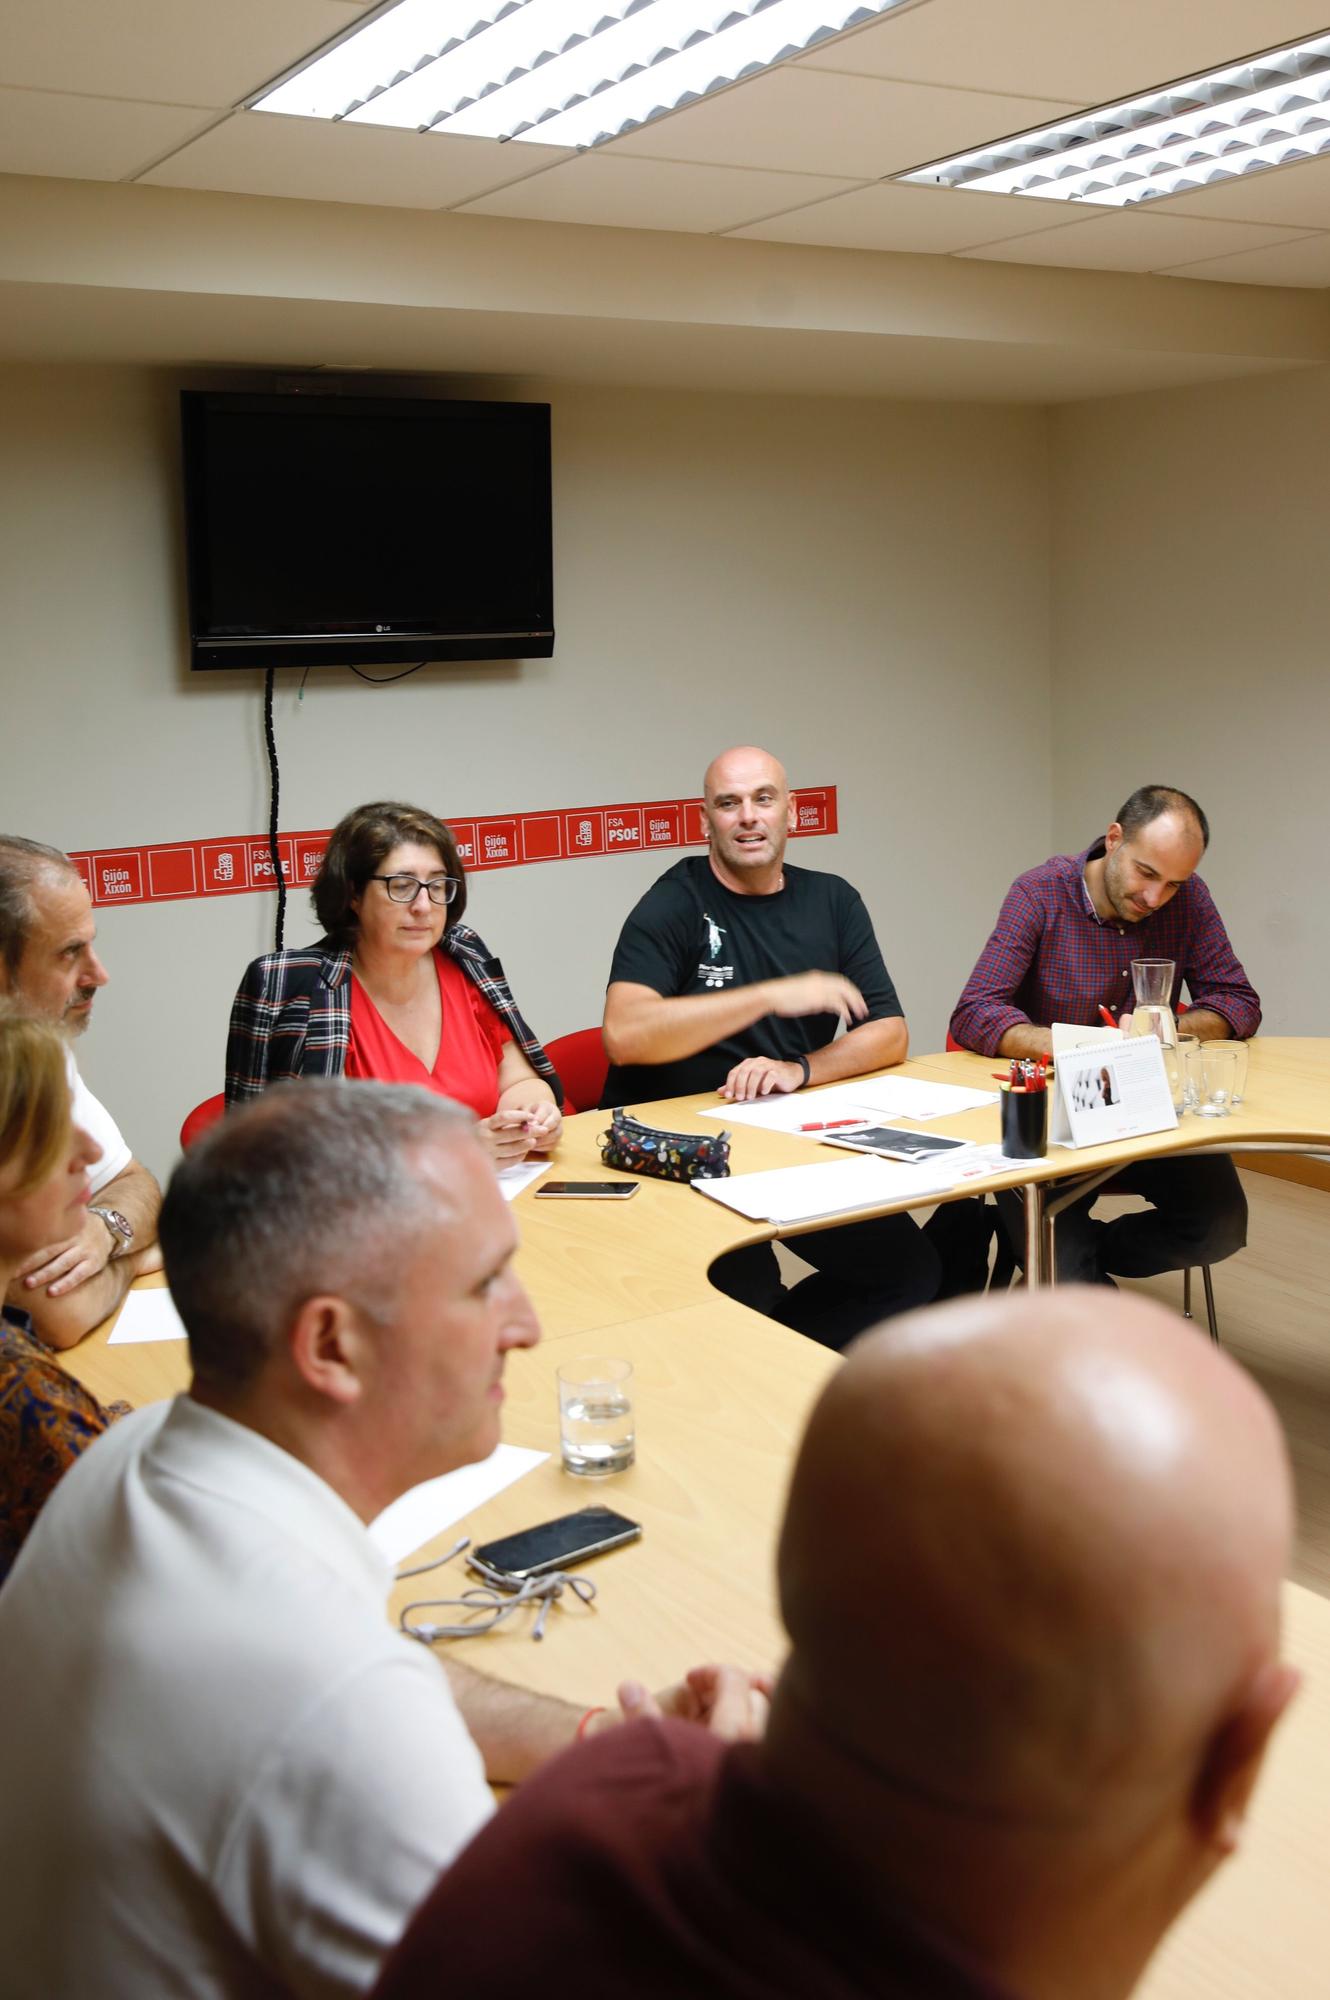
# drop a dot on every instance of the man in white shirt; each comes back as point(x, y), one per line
point(49, 964)
point(235, 1779)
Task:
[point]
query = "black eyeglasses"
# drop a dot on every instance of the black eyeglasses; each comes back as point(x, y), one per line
point(405, 888)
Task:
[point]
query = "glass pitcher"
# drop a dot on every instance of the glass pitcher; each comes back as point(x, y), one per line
point(1152, 1014)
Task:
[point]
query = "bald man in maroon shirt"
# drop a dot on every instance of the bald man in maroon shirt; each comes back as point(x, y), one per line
point(1031, 1571)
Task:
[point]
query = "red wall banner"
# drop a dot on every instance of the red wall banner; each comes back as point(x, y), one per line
point(179, 870)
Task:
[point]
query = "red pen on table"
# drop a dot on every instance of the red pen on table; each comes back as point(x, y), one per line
point(832, 1124)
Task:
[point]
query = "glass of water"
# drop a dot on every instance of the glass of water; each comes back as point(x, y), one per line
point(1219, 1069)
point(596, 1430)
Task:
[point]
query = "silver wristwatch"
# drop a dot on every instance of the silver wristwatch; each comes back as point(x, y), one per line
point(120, 1226)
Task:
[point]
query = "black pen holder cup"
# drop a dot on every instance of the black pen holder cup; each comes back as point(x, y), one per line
point(1024, 1124)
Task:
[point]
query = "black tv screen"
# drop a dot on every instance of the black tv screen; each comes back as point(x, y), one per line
point(329, 530)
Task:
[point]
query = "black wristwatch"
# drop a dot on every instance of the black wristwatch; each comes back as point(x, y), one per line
point(120, 1226)
point(803, 1064)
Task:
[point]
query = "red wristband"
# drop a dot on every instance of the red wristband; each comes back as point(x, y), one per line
point(580, 1732)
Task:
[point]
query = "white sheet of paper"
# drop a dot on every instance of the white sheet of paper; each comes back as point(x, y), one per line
point(801, 1194)
point(147, 1315)
point(791, 1111)
point(911, 1097)
point(869, 1102)
point(423, 1512)
point(806, 1194)
point(513, 1179)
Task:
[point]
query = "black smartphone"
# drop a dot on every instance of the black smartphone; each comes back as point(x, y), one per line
point(589, 1190)
point(893, 1143)
point(560, 1544)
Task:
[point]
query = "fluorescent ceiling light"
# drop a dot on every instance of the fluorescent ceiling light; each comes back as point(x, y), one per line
point(560, 72)
point(1263, 112)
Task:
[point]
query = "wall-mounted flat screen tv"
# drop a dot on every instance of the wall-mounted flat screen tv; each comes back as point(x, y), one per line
point(340, 530)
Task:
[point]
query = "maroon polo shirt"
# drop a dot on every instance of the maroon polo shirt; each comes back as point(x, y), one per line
point(655, 1862)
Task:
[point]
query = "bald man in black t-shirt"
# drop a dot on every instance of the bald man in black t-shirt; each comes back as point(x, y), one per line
point(733, 974)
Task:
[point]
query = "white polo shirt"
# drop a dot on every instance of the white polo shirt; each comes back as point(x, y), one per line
point(225, 1773)
point(97, 1122)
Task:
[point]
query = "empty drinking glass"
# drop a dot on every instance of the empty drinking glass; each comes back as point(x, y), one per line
point(1240, 1072)
point(1189, 1061)
point(1219, 1069)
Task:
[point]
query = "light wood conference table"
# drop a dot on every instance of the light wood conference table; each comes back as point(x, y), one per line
point(721, 1397)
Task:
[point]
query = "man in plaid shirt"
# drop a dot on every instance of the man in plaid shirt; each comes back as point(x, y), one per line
point(1061, 950)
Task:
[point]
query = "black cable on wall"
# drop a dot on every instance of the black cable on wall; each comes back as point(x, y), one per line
point(270, 738)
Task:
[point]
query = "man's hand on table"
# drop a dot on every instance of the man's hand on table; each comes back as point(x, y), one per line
point(761, 1076)
point(726, 1700)
point(70, 1287)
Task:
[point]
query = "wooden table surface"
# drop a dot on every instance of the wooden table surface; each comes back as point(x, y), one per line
point(721, 1395)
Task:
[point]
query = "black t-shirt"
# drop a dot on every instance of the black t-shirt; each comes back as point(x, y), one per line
point(690, 934)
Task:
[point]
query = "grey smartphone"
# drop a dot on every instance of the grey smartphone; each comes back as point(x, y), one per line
point(589, 1190)
point(559, 1544)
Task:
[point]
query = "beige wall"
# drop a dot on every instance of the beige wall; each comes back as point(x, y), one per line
point(1189, 570)
point(865, 586)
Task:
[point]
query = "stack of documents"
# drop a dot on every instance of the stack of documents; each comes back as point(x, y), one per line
point(808, 1194)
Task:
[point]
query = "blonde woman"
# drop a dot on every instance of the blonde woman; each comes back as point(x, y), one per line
point(46, 1417)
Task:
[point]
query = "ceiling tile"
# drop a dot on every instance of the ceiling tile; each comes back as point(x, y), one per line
point(1304, 263)
point(260, 152)
point(1079, 49)
point(168, 51)
point(1135, 242)
point(803, 121)
point(1297, 196)
point(887, 216)
point(88, 138)
point(652, 194)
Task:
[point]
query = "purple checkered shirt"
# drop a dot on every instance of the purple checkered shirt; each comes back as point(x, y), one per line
point(1050, 958)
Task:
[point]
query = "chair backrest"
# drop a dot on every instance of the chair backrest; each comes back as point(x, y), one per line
point(953, 1046)
point(583, 1065)
point(200, 1118)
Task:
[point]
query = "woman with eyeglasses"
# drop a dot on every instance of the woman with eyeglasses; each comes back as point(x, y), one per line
point(46, 1417)
point(399, 989)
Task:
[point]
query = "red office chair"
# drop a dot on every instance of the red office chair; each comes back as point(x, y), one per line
point(200, 1118)
point(1115, 1187)
point(583, 1065)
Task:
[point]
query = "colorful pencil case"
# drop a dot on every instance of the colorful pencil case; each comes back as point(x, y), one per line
point(635, 1148)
